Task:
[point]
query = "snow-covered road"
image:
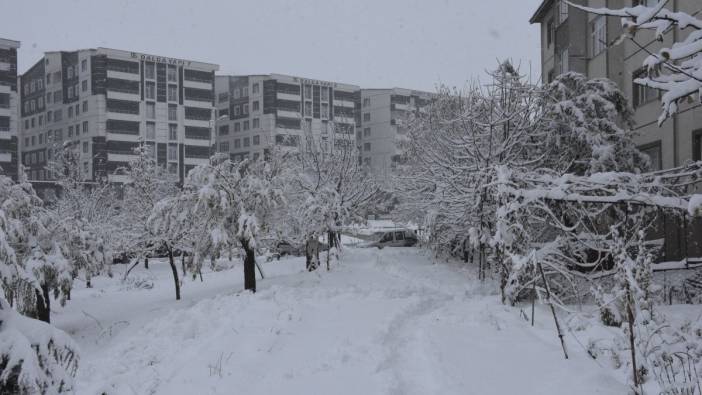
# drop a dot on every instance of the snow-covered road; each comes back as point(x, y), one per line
point(382, 322)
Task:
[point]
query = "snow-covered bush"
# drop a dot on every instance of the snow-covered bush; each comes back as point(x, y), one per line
point(34, 356)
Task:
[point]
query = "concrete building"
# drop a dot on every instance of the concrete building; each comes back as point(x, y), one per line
point(105, 102)
point(8, 108)
point(256, 112)
point(572, 40)
point(384, 113)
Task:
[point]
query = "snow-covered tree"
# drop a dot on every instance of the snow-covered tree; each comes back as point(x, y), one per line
point(34, 356)
point(676, 70)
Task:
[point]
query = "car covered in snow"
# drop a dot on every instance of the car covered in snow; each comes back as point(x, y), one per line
point(396, 238)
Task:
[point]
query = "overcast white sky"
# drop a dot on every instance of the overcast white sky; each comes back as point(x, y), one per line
point(372, 43)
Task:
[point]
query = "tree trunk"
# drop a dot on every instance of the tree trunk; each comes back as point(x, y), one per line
point(174, 269)
point(249, 267)
point(146, 263)
point(312, 253)
point(43, 304)
point(182, 262)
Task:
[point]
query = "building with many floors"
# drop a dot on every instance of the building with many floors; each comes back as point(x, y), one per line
point(256, 112)
point(384, 113)
point(8, 108)
point(105, 102)
point(573, 40)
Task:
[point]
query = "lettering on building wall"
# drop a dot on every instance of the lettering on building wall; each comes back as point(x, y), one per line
point(160, 59)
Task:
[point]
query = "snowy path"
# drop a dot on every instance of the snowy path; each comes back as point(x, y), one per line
point(383, 322)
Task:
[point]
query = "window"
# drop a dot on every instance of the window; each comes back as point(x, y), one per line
point(641, 93)
point(308, 91)
point(325, 111)
point(325, 127)
point(256, 155)
point(26, 124)
point(58, 135)
point(366, 102)
point(173, 168)
point(254, 88)
point(172, 152)
point(236, 111)
point(308, 108)
point(550, 32)
point(598, 36)
point(84, 65)
point(77, 109)
point(70, 92)
point(70, 131)
point(325, 94)
point(149, 70)
point(255, 105)
point(366, 147)
point(366, 132)
point(41, 120)
point(40, 101)
point(237, 127)
point(48, 78)
point(551, 76)
point(224, 146)
point(85, 106)
point(33, 122)
point(48, 98)
point(246, 126)
point(247, 141)
point(151, 110)
point(57, 97)
point(69, 72)
point(366, 117)
point(562, 12)
point(653, 151)
point(86, 168)
point(172, 132)
point(85, 147)
point(172, 112)
point(235, 93)
point(224, 130)
point(150, 90)
point(57, 76)
point(41, 138)
point(564, 67)
point(85, 127)
point(84, 85)
point(256, 140)
point(49, 115)
point(245, 109)
point(237, 143)
point(172, 75)
point(697, 145)
point(172, 92)
point(256, 123)
point(58, 115)
point(150, 130)
point(70, 112)
point(245, 91)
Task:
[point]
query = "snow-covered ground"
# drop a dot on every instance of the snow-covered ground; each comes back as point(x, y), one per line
point(381, 322)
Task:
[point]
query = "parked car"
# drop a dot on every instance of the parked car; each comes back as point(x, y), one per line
point(396, 238)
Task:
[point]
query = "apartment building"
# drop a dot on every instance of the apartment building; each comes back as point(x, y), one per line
point(8, 108)
point(384, 115)
point(257, 112)
point(572, 40)
point(105, 102)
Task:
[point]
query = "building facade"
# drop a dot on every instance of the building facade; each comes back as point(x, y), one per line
point(384, 113)
point(9, 99)
point(573, 40)
point(257, 112)
point(105, 102)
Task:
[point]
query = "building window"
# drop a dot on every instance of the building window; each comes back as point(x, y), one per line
point(254, 88)
point(550, 32)
point(85, 127)
point(308, 108)
point(85, 147)
point(653, 151)
point(256, 140)
point(308, 92)
point(224, 146)
point(224, 130)
point(48, 98)
point(642, 94)
point(235, 93)
point(84, 65)
point(247, 141)
point(564, 67)
point(70, 112)
point(236, 111)
point(84, 85)
point(246, 125)
point(256, 123)
point(150, 130)
point(172, 112)
point(255, 105)
point(237, 144)
point(245, 91)
point(366, 147)
point(237, 127)
point(325, 127)
point(366, 117)
point(172, 152)
point(562, 12)
point(325, 94)
point(697, 145)
point(151, 110)
point(245, 109)
point(149, 70)
point(49, 116)
point(366, 102)
point(366, 132)
point(172, 93)
point(598, 36)
point(150, 90)
point(57, 97)
point(70, 131)
point(172, 75)
point(172, 132)
point(325, 111)
point(85, 106)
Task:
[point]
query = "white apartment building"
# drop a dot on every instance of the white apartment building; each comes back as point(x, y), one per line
point(105, 102)
point(8, 108)
point(572, 40)
point(256, 112)
point(384, 113)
